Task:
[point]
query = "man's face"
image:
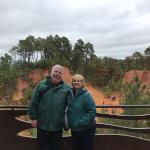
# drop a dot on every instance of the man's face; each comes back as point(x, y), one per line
point(56, 74)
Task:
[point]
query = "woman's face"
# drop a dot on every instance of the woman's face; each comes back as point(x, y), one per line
point(77, 83)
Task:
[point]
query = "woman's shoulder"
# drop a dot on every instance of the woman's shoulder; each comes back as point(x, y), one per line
point(85, 92)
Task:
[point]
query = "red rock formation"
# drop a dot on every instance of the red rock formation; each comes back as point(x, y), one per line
point(36, 75)
point(144, 76)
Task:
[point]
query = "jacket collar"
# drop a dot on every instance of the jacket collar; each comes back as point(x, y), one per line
point(79, 92)
point(49, 82)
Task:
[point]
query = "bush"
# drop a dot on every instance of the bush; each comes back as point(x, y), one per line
point(27, 94)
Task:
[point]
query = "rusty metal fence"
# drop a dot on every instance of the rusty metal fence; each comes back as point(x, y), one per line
point(9, 127)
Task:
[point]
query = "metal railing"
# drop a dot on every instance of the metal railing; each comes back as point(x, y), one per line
point(9, 127)
point(124, 117)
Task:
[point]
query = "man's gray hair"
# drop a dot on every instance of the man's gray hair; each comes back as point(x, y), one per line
point(57, 66)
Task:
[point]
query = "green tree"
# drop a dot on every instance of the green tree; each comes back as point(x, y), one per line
point(98, 73)
point(65, 51)
point(88, 57)
point(138, 60)
point(78, 56)
point(25, 49)
point(49, 49)
point(132, 94)
point(147, 58)
point(7, 81)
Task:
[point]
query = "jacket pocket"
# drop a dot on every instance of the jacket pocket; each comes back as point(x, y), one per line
point(42, 116)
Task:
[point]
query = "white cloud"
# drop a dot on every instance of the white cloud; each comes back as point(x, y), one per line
point(115, 28)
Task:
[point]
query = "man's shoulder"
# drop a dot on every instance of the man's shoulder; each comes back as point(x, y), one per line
point(42, 83)
point(66, 86)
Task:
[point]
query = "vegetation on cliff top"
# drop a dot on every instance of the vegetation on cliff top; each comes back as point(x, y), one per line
point(33, 52)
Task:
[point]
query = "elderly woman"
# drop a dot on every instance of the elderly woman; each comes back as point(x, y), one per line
point(81, 114)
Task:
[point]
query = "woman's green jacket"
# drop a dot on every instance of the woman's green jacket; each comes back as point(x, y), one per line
point(81, 110)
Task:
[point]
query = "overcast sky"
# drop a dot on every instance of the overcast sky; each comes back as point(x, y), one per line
point(116, 28)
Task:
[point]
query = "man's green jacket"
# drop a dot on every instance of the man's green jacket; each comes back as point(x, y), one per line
point(49, 107)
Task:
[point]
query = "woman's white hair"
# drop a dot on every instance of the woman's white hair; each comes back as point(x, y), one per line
point(78, 76)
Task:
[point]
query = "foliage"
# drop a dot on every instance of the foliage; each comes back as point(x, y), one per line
point(27, 96)
point(115, 84)
point(7, 82)
point(80, 58)
point(43, 64)
point(132, 94)
point(39, 52)
point(82, 55)
point(107, 91)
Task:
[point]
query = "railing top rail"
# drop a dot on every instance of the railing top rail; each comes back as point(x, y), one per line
point(12, 107)
point(19, 106)
point(123, 106)
point(124, 117)
point(98, 106)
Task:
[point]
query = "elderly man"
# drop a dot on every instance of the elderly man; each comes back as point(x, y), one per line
point(47, 109)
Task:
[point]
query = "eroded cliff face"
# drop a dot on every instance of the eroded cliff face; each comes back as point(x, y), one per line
point(34, 77)
point(21, 85)
point(144, 77)
point(37, 74)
